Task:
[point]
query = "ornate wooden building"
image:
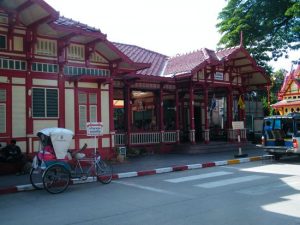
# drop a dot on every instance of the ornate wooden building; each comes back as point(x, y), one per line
point(289, 94)
point(58, 72)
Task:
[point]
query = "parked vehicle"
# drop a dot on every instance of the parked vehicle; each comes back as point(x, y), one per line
point(281, 135)
point(53, 168)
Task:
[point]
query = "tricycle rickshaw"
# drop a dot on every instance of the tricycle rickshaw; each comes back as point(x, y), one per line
point(55, 166)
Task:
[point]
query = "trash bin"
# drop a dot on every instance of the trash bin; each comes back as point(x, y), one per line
point(122, 151)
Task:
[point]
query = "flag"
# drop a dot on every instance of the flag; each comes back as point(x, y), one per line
point(241, 103)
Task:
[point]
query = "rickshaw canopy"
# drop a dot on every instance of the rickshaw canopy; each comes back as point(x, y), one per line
point(61, 139)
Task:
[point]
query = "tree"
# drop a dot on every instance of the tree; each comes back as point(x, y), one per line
point(277, 79)
point(271, 27)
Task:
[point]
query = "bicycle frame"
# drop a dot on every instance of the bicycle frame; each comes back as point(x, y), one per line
point(80, 168)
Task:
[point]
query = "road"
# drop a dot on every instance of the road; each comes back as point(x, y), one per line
point(250, 193)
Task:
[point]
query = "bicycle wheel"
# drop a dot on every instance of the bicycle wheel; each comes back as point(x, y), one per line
point(56, 178)
point(36, 178)
point(104, 172)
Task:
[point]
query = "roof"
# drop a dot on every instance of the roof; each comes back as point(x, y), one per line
point(294, 75)
point(286, 102)
point(142, 55)
point(74, 24)
point(187, 62)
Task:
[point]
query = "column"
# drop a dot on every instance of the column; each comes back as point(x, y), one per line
point(192, 119)
point(161, 113)
point(111, 113)
point(229, 115)
point(61, 88)
point(128, 113)
point(206, 130)
point(177, 116)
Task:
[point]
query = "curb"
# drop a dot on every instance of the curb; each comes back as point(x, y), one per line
point(29, 187)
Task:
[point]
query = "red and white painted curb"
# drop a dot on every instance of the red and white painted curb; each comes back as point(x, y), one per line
point(28, 187)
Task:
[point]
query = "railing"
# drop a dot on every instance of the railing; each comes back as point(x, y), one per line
point(146, 138)
point(170, 136)
point(120, 138)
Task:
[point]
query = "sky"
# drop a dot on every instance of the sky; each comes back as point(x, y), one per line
point(169, 27)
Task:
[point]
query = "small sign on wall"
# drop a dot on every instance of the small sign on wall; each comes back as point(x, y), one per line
point(94, 129)
point(237, 125)
point(219, 76)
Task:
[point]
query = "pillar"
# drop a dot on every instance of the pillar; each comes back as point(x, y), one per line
point(161, 113)
point(111, 114)
point(192, 119)
point(206, 125)
point(128, 113)
point(61, 88)
point(177, 116)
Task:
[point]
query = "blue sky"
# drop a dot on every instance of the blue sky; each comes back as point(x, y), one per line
point(169, 27)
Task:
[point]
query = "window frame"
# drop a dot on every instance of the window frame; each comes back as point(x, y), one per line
point(46, 106)
point(88, 107)
point(5, 36)
point(7, 105)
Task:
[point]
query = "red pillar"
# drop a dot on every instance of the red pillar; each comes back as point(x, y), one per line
point(61, 88)
point(229, 115)
point(161, 113)
point(177, 115)
point(192, 119)
point(128, 112)
point(229, 108)
point(29, 120)
point(111, 114)
point(206, 131)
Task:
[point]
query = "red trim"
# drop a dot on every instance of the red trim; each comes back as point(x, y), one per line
point(99, 115)
point(8, 106)
point(61, 110)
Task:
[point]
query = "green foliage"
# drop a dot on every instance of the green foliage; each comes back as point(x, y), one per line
point(277, 79)
point(270, 27)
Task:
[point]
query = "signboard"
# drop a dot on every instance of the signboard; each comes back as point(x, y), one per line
point(237, 125)
point(94, 129)
point(219, 76)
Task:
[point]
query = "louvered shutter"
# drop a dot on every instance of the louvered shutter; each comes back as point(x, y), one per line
point(2, 118)
point(52, 102)
point(38, 102)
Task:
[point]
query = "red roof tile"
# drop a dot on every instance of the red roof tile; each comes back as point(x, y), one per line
point(75, 24)
point(187, 62)
point(142, 55)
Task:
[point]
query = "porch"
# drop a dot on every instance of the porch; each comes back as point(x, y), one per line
point(144, 138)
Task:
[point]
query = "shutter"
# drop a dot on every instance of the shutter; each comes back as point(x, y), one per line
point(93, 99)
point(93, 113)
point(82, 98)
point(82, 117)
point(38, 102)
point(52, 102)
point(2, 95)
point(2, 118)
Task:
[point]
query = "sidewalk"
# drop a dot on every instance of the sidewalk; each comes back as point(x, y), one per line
point(145, 163)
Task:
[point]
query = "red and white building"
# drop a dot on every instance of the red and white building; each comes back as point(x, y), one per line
point(56, 72)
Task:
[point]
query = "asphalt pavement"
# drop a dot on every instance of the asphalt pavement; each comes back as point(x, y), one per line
point(148, 162)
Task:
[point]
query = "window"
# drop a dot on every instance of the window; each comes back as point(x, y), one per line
point(45, 47)
point(87, 108)
point(3, 98)
point(2, 42)
point(76, 52)
point(44, 103)
point(18, 43)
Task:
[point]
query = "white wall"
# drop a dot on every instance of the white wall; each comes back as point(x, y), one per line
point(18, 111)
